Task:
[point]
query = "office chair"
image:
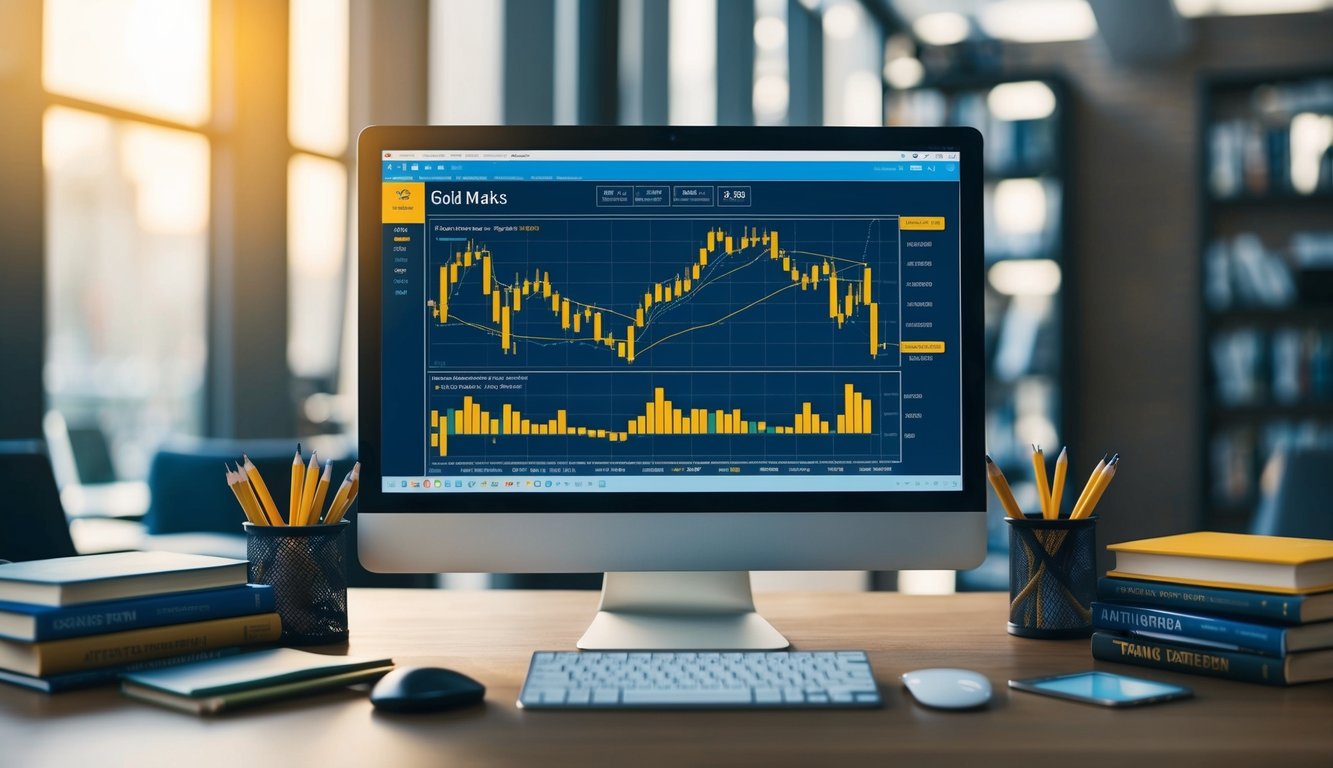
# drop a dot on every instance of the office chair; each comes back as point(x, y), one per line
point(32, 520)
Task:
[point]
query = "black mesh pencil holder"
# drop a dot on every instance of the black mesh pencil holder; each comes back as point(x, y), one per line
point(1052, 577)
point(306, 567)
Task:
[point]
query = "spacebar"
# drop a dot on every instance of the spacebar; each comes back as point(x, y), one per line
point(712, 696)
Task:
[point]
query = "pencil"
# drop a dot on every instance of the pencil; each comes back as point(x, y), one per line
point(1058, 484)
point(1087, 488)
point(355, 482)
point(1043, 488)
point(298, 473)
point(1108, 473)
point(308, 487)
point(317, 506)
point(1001, 487)
point(339, 497)
point(252, 513)
point(261, 491)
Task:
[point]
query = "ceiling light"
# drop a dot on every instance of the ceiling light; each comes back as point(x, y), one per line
point(943, 28)
point(1020, 206)
point(770, 33)
point(903, 73)
point(1191, 8)
point(841, 20)
point(1026, 100)
point(1025, 277)
point(1038, 21)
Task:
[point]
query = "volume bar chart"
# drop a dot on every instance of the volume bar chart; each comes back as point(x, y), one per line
point(535, 419)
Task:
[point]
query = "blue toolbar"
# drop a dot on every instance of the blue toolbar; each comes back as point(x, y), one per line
point(667, 170)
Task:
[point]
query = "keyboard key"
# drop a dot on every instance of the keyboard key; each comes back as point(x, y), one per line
point(657, 696)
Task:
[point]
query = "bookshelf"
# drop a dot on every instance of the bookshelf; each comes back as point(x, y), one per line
point(1266, 294)
point(1026, 124)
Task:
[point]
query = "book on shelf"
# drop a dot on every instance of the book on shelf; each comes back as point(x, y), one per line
point(1157, 653)
point(1266, 639)
point(92, 578)
point(214, 686)
point(54, 657)
point(1279, 564)
point(1239, 603)
point(91, 678)
point(32, 623)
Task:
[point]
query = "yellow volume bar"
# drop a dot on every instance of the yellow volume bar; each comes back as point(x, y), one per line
point(920, 222)
point(923, 347)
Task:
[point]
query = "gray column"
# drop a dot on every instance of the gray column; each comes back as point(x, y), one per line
point(529, 62)
point(805, 66)
point(22, 232)
point(735, 63)
point(388, 63)
point(249, 384)
point(643, 62)
point(599, 51)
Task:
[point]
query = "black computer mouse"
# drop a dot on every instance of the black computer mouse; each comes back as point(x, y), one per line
point(425, 689)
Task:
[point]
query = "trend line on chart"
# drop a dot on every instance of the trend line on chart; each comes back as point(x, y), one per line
point(660, 417)
point(846, 282)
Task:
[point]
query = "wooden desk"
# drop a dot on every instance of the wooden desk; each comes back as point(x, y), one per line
point(491, 635)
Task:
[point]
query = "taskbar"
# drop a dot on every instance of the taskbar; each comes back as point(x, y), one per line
point(671, 484)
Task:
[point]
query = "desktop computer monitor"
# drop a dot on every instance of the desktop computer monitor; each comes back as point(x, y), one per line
point(675, 355)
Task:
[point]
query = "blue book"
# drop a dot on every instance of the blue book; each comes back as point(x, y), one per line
point(1233, 665)
point(35, 623)
point(1267, 639)
point(1265, 606)
point(91, 678)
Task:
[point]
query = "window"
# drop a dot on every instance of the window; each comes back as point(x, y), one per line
point(127, 184)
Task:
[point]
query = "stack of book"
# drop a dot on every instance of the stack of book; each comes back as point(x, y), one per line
point(76, 622)
point(1242, 607)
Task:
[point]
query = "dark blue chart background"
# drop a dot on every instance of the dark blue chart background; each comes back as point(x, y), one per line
point(765, 360)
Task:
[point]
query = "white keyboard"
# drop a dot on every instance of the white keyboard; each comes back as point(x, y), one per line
point(699, 680)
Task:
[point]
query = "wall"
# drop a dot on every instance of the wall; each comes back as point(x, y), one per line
point(1135, 257)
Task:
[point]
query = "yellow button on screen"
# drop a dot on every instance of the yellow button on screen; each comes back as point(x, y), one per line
point(404, 202)
point(921, 222)
point(923, 347)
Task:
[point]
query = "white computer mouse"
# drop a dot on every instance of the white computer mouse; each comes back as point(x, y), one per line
point(945, 688)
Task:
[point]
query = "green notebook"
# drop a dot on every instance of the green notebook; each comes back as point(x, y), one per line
point(217, 685)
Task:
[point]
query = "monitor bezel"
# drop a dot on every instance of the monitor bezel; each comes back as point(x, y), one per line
point(374, 140)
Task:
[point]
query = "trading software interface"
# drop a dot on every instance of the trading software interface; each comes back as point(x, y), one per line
point(670, 321)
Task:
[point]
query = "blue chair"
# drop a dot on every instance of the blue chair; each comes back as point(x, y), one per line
point(1299, 504)
point(190, 496)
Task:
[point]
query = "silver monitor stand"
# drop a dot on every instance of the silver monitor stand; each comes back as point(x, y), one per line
point(675, 610)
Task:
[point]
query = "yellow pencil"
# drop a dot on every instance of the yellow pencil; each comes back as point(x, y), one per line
point(1107, 474)
point(308, 488)
point(1058, 484)
point(1087, 487)
point(339, 497)
point(252, 513)
point(261, 491)
point(1043, 488)
point(355, 482)
point(298, 474)
point(1001, 487)
point(317, 506)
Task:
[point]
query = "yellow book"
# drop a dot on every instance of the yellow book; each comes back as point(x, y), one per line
point(1277, 564)
point(54, 657)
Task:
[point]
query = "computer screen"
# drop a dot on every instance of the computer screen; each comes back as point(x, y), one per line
point(654, 349)
point(594, 321)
